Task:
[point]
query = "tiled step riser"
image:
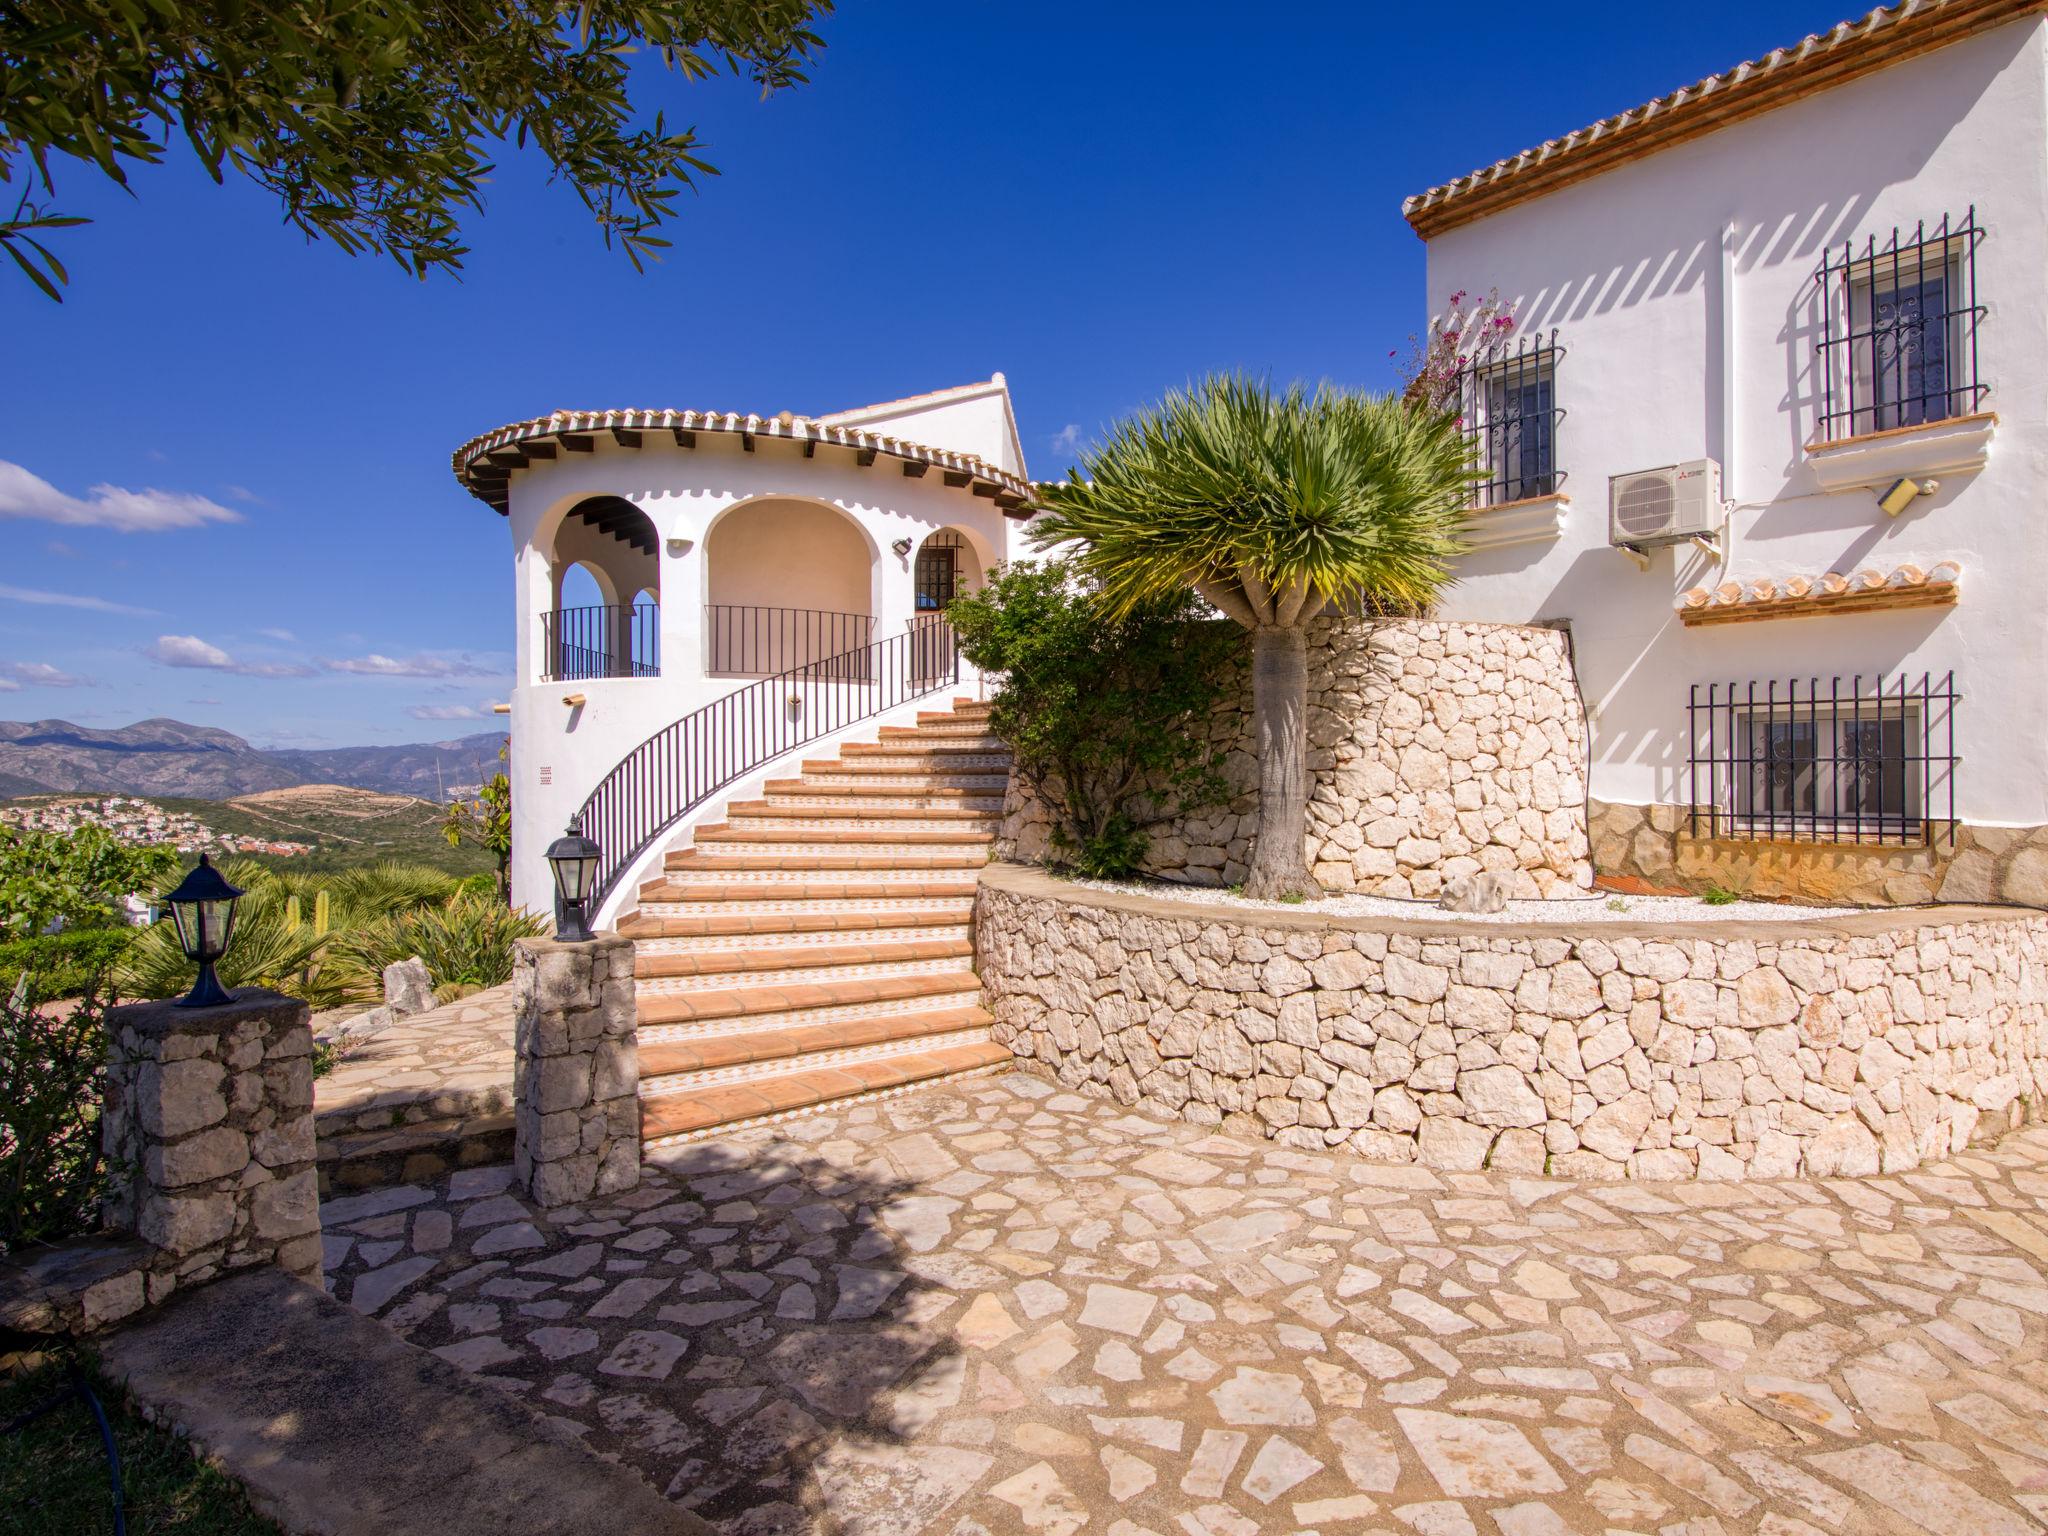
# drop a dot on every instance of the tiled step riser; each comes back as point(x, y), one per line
point(908, 800)
point(838, 1013)
point(798, 942)
point(756, 1071)
point(950, 906)
point(965, 749)
point(976, 731)
point(684, 868)
point(800, 976)
point(995, 784)
point(697, 874)
point(798, 821)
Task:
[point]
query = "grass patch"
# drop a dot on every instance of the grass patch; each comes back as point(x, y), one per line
point(53, 1472)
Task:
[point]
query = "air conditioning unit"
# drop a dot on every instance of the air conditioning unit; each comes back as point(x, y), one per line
point(1672, 505)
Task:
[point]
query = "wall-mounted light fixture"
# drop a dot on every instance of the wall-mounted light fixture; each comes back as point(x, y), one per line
point(902, 547)
point(680, 546)
point(573, 700)
point(1902, 493)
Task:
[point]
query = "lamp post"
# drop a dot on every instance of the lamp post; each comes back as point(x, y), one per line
point(203, 908)
point(572, 858)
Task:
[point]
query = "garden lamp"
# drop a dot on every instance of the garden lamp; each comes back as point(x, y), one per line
point(573, 858)
point(203, 908)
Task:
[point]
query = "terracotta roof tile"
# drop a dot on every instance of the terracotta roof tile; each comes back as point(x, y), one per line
point(1886, 36)
point(1904, 586)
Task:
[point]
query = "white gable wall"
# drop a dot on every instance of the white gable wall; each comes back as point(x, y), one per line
point(1629, 268)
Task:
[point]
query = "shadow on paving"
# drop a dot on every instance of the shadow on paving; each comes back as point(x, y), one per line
point(754, 1329)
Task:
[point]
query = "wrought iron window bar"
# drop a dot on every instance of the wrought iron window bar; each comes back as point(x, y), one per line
point(1898, 329)
point(1508, 410)
point(601, 640)
point(1840, 760)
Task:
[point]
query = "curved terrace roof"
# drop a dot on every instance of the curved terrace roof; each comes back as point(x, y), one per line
point(485, 464)
point(1889, 35)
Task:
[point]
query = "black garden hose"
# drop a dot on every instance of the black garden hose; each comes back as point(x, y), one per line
point(76, 1386)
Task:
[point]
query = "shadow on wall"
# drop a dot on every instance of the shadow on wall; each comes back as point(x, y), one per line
point(754, 1329)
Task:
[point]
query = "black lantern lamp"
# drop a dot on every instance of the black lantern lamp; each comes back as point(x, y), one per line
point(573, 858)
point(203, 907)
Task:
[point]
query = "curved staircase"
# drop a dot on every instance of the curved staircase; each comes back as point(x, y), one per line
point(816, 946)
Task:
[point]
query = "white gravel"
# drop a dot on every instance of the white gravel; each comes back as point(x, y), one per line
point(1593, 907)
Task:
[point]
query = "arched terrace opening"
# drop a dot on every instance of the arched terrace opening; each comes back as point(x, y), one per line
point(604, 619)
point(789, 583)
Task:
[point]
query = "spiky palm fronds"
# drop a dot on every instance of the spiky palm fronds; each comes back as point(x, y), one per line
point(1271, 506)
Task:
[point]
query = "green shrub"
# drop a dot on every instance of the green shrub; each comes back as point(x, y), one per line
point(466, 943)
point(75, 877)
point(1106, 719)
point(63, 964)
point(52, 1069)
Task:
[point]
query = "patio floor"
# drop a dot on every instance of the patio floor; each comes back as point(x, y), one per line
point(1001, 1307)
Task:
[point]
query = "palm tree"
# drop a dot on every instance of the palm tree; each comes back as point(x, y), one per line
point(1273, 507)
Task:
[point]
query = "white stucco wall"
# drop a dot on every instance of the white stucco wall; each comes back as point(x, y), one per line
point(559, 752)
point(1675, 351)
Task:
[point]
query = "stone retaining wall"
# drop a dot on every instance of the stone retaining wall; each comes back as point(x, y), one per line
point(1435, 750)
point(1651, 848)
point(1715, 1049)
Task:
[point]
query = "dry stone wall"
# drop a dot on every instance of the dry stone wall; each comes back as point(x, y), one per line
point(1435, 750)
point(1650, 848)
point(1719, 1050)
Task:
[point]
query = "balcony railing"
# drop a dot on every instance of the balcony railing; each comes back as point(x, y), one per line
point(604, 640)
point(683, 765)
point(746, 641)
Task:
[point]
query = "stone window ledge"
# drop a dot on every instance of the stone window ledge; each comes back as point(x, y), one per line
point(1531, 520)
point(1957, 445)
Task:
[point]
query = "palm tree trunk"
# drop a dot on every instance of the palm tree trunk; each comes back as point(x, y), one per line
point(1280, 737)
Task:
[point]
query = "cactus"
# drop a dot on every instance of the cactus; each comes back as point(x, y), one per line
point(322, 912)
point(292, 917)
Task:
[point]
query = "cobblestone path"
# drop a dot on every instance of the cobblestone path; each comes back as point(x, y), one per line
point(997, 1307)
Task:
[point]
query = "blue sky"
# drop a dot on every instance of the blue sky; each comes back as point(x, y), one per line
point(1100, 201)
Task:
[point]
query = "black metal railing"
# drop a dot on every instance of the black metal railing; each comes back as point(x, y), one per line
point(603, 640)
point(1843, 760)
point(1507, 407)
point(681, 766)
point(1898, 329)
point(745, 641)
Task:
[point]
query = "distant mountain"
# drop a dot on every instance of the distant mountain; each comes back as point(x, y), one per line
point(169, 757)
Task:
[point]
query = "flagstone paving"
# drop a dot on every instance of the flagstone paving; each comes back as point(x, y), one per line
point(997, 1307)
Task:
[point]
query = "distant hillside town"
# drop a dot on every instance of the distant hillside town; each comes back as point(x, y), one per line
point(141, 823)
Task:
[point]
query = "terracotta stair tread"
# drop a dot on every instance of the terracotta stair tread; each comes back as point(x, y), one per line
point(721, 833)
point(759, 809)
point(636, 925)
point(715, 1051)
point(672, 1114)
point(823, 889)
point(743, 1002)
point(806, 957)
point(923, 746)
point(835, 765)
point(932, 791)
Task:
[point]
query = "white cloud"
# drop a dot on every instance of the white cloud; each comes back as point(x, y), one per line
point(105, 506)
point(40, 674)
point(191, 651)
point(1068, 438)
point(443, 712)
point(243, 493)
point(68, 600)
point(283, 636)
point(421, 665)
point(9, 685)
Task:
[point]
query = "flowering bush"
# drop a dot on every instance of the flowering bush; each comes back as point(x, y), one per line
point(1431, 378)
point(52, 1065)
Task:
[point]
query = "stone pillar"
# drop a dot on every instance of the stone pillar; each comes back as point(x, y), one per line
point(208, 1133)
point(575, 1070)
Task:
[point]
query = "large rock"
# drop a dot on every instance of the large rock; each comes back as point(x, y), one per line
point(408, 989)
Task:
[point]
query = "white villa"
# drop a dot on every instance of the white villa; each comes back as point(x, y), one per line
point(1820, 279)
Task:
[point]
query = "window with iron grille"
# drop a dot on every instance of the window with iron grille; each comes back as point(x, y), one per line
point(1898, 329)
point(1507, 405)
point(938, 571)
point(1835, 760)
